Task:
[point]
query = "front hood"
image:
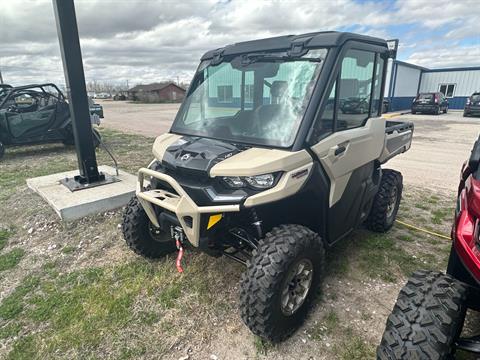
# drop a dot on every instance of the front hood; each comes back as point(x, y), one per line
point(210, 157)
point(197, 154)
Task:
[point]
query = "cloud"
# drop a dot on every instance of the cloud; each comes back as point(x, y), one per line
point(147, 41)
point(446, 57)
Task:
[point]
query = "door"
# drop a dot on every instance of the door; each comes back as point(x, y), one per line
point(30, 114)
point(350, 138)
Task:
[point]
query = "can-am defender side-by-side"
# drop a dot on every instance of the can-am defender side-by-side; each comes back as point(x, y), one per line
point(36, 114)
point(428, 317)
point(262, 166)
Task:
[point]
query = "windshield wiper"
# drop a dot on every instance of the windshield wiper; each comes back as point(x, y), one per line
point(248, 59)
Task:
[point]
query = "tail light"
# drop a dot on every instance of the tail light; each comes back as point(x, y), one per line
point(436, 99)
point(468, 101)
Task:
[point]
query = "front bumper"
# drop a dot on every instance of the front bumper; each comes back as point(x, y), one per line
point(180, 203)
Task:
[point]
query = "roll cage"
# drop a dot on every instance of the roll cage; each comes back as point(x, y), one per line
point(31, 89)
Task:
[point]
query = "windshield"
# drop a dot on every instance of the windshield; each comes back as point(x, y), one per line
point(257, 99)
point(425, 97)
point(476, 98)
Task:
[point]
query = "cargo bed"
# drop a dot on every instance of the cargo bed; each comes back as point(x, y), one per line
point(398, 138)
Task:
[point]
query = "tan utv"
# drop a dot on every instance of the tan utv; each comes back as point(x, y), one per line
point(262, 165)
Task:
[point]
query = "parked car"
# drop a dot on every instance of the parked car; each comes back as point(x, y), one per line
point(36, 114)
point(95, 108)
point(472, 107)
point(103, 96)
point(427, 320)
point(433, 103)
point(385, 105)
point(355, 105)
point(119, 97)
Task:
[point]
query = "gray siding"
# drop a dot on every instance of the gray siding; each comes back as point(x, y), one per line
point(407, 80)
point(466, 81)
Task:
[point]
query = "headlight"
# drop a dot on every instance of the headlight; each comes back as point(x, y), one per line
point(261, 181)
point(264, 181)
point(234, 181)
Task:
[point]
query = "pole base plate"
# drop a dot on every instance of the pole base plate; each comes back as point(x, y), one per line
point(78, 182)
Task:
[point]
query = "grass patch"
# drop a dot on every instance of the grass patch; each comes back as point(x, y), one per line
point(11, 259)
point(68, 249)
point(421, 206)
point(24, 348)
point(439, 216)
point(10, 330)
point(355, 349)
point(380, 257)
point(4, 235)
point(262, 347)
point(13, 304)
point(73, 309)
point(406, 238)
point(327, 326)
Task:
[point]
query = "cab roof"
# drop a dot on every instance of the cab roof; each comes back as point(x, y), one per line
point(309, 40)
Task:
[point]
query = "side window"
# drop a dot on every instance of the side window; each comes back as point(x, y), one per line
point(447, 90)
point(443, 89)
point(25, 103)
point(450, 90)
point(355, 87)
point(324, 125)
point(377, 89)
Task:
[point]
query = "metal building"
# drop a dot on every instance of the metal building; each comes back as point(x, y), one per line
point(406, 80)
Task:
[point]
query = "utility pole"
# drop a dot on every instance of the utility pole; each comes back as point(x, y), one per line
point(1, 78)
point(67, 31)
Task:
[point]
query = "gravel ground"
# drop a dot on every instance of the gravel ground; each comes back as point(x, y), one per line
point(440, 146)
point(144, 119)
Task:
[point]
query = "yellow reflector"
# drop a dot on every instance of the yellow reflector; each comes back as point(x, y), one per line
point(213, 220)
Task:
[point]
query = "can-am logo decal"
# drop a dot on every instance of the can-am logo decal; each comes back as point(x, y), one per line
point(185, 157)
point(300, 174)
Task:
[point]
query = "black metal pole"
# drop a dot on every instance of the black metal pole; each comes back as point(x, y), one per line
point(75, 79)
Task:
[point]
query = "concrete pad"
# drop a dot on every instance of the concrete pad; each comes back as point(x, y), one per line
point(75, 205)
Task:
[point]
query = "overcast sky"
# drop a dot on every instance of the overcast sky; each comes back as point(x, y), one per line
point(149, 41)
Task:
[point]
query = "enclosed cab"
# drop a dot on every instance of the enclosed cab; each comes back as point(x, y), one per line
point(278, 143)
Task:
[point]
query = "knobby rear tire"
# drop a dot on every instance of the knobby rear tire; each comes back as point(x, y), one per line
point(379, 220)
point(426, 320)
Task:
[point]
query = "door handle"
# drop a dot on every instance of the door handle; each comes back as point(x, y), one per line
point(340, 150)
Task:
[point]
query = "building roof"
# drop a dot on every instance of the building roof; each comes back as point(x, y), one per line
point(154, 87)
point(427, 70)
point(310, 40)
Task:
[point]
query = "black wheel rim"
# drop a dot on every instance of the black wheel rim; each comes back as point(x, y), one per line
point(296, 287)
point(392, 202)
point(157, 234)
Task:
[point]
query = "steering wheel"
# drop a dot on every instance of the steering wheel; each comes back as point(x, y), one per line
point(12, 109)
